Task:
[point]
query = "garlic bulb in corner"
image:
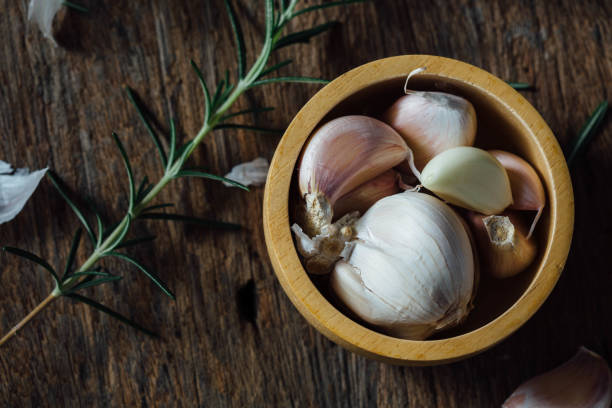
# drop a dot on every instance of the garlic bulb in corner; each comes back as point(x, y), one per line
point(340, 156)
point(410, 270)
point(431, 122)
point(470, 178)
point(585, 381)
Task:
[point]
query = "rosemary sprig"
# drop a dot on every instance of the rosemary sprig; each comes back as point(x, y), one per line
point(589, 129)
point(106, 241)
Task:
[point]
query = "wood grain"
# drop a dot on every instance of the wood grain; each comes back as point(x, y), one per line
point(58, 107)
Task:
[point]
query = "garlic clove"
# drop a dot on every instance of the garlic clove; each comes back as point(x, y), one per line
point(527, 189)
point(340, 156)
point(503, 246)
point(585, 381)
point(410, 269)
point(364, 196)
point(431, 122)
point(470, 178)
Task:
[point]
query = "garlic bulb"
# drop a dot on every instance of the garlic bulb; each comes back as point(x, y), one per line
point(585, 381)
point(503, 246)
point(364, 196)
point(340, 156)
point(410, 270)
point(431, 122)
point(527, 189)
point(470, 178)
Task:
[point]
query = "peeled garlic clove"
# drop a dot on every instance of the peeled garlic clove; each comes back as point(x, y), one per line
point(470, 178)
point(410, 269)
point(364, 196)
point(431, 122)
point(585, 381)
point(527, 189)
point(343, 154)
point(502, 245)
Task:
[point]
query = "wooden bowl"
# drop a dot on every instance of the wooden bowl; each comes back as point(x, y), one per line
point(505, 121)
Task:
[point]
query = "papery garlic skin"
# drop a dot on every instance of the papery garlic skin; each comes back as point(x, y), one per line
point(16, 189)
point(585, 381)
point(527, 189)
point(252, 173)
point(42, 13)
point(410, 270)
point(470, 178)
point(340, 156)
point(431, 122)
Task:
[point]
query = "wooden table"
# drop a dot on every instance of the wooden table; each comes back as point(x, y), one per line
point(232, 338)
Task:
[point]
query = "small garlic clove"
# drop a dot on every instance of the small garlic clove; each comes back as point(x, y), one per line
point(340, 156)
point(364, 196)
point(502, 244)
point(410, 269)
point(470, 178)
point(527, 189)
point(431, 122)
point(585, 381)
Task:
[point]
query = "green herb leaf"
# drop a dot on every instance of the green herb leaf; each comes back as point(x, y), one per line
point(589, 129)
point(110, 312)
point(237, 29)
point(95, 282)
point(156, 141)
point(57, 183)
point(75, 6)
point(248, 127)
point(157, 206)
point(73, 250)
point(197, 173)
point(303, 36)
point(144, 270)
point(128, 168)
point(275, 68)
point(290, 79)
point(217, 99)
point(245, 112)
point(520, 85)
point(192, 220)
point(205, 90)
point(136, 241)
point(172, 144)
point(92, 272)
point(34, 258)
point(126, 226)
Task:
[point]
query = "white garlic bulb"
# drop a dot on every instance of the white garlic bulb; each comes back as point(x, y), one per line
point(410, 270)
point(432, 122)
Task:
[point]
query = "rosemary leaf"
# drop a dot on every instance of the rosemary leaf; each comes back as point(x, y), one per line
point(128, 168)
point(521, 86)
point(172, 143)
point(156, 207)
point(144, 270)
point(76, 6)
point(589, 129)
point(275, 67)
point(95, 282)
point(141, 187)
point(289, 79)
point(303, 36)
point(94, 272)
point(245, 112)
point(110, 312)
point(237, 29)
point(208, 107)
point(73, 250)
point(136, 241)
point(34, 258)
point(326, 5)
point(156, 141)
point(56, 182)
point(122, 233)
point(198, 173)
point(216, 99)
point(248, 127)
point(192, 220)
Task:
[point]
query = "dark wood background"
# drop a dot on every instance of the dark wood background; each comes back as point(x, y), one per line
point(232, 338)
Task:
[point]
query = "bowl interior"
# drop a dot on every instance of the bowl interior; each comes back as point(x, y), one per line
point(498, 128)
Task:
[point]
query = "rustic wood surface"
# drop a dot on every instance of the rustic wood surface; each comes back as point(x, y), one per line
point(232, 338)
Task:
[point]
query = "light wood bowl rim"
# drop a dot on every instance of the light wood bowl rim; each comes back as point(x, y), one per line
point(319, 311)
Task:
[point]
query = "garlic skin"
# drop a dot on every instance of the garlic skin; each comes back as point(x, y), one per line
point(42, 12)
point(16, 188)
point(340, 156)
point(503, 247)
point(585, 381)
point(364, 196)
point(251, 173)
point(431, 122)
point(410, 270)
point(470, 178)
point(527, 189)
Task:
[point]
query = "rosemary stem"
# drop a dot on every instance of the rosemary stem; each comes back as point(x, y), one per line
point(29, 317)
